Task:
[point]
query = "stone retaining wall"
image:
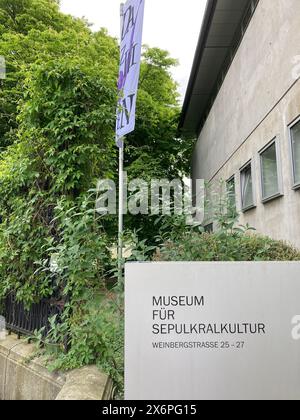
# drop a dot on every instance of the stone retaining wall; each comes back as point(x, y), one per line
point(23, 377)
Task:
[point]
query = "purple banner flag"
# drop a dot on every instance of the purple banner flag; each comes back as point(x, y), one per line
point(132, 16)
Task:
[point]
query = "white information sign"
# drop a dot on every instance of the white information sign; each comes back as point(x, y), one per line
point(197, 331)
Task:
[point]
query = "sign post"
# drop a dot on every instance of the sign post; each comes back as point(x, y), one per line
point(132, 16)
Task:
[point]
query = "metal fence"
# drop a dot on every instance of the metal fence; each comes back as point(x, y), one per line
point(24, 322)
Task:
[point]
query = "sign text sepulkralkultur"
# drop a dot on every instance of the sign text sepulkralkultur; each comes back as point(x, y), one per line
point(165, 319)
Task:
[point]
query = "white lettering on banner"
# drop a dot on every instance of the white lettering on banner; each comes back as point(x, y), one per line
point(130, 57)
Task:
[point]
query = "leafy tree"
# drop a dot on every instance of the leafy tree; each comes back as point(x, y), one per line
point(21, 16)
point(155, 144)
point(64, 37)
point(155, 150)
point(57, 111)
point(57, 119)
point(65, 142)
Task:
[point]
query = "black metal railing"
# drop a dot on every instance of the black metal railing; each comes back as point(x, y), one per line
point(23, 321)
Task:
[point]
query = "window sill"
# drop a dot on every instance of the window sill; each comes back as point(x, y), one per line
point(272, 197)
point(246, 209)
point(296, 187)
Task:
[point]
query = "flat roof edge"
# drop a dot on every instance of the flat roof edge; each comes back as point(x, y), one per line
point(208, 15)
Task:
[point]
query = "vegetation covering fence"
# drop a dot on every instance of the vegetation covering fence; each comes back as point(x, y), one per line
point(26, 321)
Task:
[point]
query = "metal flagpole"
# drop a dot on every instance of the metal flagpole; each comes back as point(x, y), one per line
point(121, 211)
point(130, 58)
point(121, 142)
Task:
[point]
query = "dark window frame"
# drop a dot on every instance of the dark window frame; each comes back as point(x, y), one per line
point(228, 182)
point(296, 185)
point(243, 169)
point(266, 198)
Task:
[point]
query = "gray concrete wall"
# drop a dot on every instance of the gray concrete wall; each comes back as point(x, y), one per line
point(24, 377)
point(259, 98)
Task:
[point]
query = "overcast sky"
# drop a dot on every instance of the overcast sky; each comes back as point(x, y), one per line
point(173, 25)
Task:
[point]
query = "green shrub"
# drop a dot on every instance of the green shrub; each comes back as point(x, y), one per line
point(230, 242)
point(225, 246)
point(94, 324)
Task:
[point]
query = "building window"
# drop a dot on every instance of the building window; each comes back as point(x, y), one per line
point(247, 189)
point(269, 172)
point(295, 142)
point(231, 194)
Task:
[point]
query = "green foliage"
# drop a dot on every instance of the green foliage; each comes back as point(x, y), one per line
point(230, 241)
point(92, 324)
point(21, 16)
point(57, 118)
point(46, 35)
point(155, 77)
point(96, 336)
point(34, 32)
point(226, 247)
point(81, 252)
point(65, 139)
point(73, 109)
point(154, 150)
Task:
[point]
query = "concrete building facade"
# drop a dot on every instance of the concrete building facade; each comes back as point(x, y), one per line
point(243, 103)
